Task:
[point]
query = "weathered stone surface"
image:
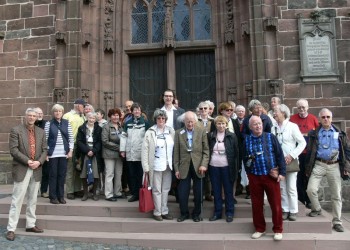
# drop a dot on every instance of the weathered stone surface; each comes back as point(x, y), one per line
point(9, 122)
point(17, 1)
point(27, 88)
point(324, 102)
point(17, 34)
point(289, 38)
point(298, 91)
point(44, 87)
point(292, 53)
point(47, 54)
point(287, 25)
point(7, 59)
point(290, 70)
point(36, 43)
point(41, 10)
point(3, 74)
point(43, 31)
point(10, 73)
point(281, 2)
point(73, 24)
point(302, 4)
point(343, 50)
point(15, 24)
point(5, 110)
point(37, 22)
point(345, 25)
point(9, 89)
point(26, 10)
point(343, 12)
point(332, 3)
point(348, 72)
point(338, 90)
point(43, 72)
point(10, 11)
point(38, 2)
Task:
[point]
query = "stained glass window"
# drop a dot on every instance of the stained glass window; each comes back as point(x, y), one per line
point(139, 23)
point(202, 21)
point(182, 21)
point(158, 15)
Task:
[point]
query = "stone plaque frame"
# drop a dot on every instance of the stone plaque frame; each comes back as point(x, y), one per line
point(318, 51)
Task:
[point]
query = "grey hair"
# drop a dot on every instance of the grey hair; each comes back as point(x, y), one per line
point(91, 114)
point(202, 104)
point(277, 99)
point(324, 110)
point(302, 101)
point(57, 107)
point(157, 113)
point(253, 103)
point(210, 103)
point(240, 107)
point(284, 109)
point(89, 105)
point(191, 113)
point(30, 110)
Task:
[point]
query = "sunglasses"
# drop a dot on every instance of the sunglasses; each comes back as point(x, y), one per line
point(203, 108)
point(325, 116)
point(160, 118)
point(229, 110)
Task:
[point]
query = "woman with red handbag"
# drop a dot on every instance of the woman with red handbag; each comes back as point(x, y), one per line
point(157, 158)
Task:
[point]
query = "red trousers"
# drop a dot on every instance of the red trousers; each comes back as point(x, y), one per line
point(258, 184)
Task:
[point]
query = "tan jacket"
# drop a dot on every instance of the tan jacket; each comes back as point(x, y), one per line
point(199, 154)
point(19, 149)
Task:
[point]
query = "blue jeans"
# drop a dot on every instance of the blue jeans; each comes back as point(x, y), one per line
point(220, 177)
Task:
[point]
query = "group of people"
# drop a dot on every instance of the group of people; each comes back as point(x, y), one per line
point(281, 157)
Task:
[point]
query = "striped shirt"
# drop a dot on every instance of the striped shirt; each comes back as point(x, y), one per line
point(59, 147)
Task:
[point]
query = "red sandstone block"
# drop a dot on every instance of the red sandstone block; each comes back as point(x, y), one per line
point(27, 10)
point(287, 25)
point(10, 73)
point(9, 89)
point(44, 87)
point(15, 24)
point(345, 29)
point(343, 49)
point(41, 72)
point(9, 122)
point(3, 73)
point(289, 38)
point(332, 3)
point(5, 110)
point(27, 88)
point(36, 43)
point(41, 10)
point(37, 22)
point(10, 11)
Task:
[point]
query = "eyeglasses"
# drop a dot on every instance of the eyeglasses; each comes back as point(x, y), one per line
point(168, 96)
point(160, 118)
point(302, 107)
point(229, 110)
point(203, 108)
point(325, 116)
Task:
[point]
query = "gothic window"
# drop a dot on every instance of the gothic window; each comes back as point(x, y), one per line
point(139, 22)
point(192, 20)
point(199, 12)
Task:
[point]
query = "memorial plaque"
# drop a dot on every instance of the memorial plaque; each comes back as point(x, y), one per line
point(318, 50)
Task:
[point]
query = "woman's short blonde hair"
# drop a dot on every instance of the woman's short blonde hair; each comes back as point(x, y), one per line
point(57, 107)
point(220, 118)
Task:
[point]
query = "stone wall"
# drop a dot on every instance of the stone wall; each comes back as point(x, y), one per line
point(27, 59)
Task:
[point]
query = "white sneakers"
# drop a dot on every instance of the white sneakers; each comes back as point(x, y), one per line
point(277, 236)
point(257, 235)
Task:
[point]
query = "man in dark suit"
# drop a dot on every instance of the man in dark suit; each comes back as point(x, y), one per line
point(191, 158)
point(29, 149)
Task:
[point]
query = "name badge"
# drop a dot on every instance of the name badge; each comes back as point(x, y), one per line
point(182, 131)
point(335, 135)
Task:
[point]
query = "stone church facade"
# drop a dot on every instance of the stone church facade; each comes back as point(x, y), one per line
point(108, 51)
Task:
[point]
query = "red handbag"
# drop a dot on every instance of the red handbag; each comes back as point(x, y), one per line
point(145, 196)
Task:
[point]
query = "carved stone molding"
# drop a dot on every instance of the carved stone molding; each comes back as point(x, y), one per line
point(229, 23)
point(60, 37)
point(248, 86)
point(88, 1)
point(245, 30)
point(108, 41)
point(270, 23)
point(108, 96)
point(59, 95)
point(275, 87)
point(168, 38)
point(231, 92)
point(85, 93)
point(86, 39)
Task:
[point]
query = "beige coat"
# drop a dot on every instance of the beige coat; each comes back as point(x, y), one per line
point(199, 154)
point(148, 150)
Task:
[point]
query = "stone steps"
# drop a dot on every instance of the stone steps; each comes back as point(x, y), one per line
point(121, 223)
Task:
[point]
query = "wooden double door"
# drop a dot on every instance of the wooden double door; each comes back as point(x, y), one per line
point(195, 79)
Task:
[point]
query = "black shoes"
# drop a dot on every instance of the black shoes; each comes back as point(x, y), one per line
point(214, 218)
point(111, 199)
point(62, 200)
point(229, 218)
point(167, 216)
point(339, 228)
point(70, 196)
point(314, 213)
point(196, 218)
point(182, 218)
point(133, 198)
point(54, 201)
